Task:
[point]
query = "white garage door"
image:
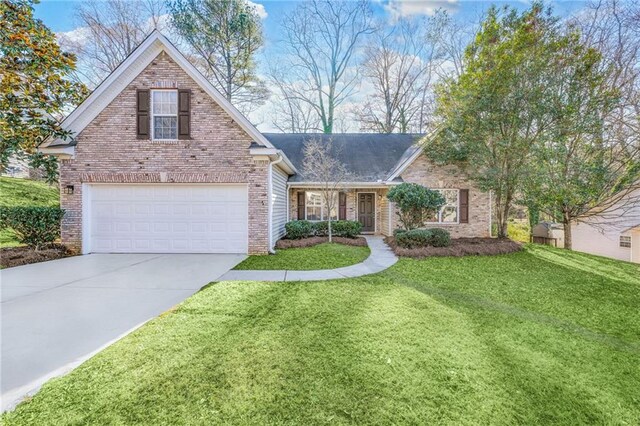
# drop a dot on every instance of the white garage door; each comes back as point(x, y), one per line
point(167, 218)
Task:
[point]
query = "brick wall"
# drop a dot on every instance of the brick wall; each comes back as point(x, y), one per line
point(108, 151)
point(425, 173)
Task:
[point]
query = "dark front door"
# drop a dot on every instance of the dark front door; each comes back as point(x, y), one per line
point(366, 212)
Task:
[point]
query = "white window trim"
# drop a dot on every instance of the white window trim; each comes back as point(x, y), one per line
point(153, 127)
point(457, 222)
point(627, 240)
point(322, 207)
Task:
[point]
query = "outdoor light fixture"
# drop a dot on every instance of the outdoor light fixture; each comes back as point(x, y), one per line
point(68, 189)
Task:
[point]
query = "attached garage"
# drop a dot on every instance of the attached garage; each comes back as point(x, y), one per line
point(165, 218)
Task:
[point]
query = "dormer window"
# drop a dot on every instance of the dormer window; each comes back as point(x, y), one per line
point(164, 114)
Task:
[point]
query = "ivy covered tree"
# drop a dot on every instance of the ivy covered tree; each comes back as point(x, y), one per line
point(36, 85)
point(415, 203)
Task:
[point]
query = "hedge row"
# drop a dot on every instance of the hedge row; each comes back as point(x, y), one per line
point(415, 238)
point(33, 226)
point(297, 229)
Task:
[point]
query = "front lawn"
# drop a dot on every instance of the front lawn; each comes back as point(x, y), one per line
point(24, 192)
point(542, 336)
point(322, 256)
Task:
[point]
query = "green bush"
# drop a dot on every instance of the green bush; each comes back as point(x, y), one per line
point(416, 238)
point(398, 231)
point(346, 228)
point(321, 229)
point(33, 226)
point(414, 202)
point(297, 229)
point(439, 238)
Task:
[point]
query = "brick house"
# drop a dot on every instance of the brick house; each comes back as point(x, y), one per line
point(162, 162)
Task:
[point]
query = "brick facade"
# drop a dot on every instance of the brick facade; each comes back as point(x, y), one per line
point(423, 172)
point(108, 151)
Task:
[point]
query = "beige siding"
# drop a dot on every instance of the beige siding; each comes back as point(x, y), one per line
point(278, 203)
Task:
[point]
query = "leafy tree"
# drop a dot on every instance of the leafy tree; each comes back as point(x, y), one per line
point(415, 203)
point(35, 85)
point(491, 115)
point(580, 167)
point(225, 36)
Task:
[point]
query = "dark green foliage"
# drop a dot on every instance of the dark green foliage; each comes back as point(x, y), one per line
point(439, 238)
point(414, 202)
point(415, 238)
point(321, 229)
point(297, 229)
point(398, 231)
point(346, 228)
point(34, 226)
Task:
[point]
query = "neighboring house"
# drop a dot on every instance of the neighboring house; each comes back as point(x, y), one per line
point(615, 234)
point(161, 162)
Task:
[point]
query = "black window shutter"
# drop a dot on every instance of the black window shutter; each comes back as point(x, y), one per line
point(301, 205)
point(342, 206)
point(184, 114)
point(464, 206)
point(142, 113)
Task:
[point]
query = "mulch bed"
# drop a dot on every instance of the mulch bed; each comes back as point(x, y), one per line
point(459, 247)
point(16, 256)
point(314, 241)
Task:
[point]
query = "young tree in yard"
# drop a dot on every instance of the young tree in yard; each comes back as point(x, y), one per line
point(415, 203)
point(321, 39)
point(35, 85)
point(492, 114)
point(225, 35)
point(321, 164)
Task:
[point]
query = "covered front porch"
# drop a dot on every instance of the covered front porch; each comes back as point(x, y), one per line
point(367, 204)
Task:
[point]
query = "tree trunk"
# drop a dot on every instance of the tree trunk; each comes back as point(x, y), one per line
point(329, 227)
point(566, 223)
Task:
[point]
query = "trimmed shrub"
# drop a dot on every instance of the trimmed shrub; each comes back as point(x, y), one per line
point(398, 231)
point(414, 238)
point(439, 238)
point(321, 229)
point(297, 229)
point(346, 228)
point(34, 226)
point(414, 202)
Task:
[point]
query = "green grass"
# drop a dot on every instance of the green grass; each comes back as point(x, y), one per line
point(322, 256)
point(23, 192)
point(541, 336)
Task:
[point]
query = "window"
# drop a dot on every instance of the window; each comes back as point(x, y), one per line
point(625, 241)
point(164, 114)
point(449, 212)
point(315, 208)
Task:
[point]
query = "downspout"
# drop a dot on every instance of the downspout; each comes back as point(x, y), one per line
point(270, 202)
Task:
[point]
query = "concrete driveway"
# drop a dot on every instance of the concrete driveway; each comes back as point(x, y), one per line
point(57, 314)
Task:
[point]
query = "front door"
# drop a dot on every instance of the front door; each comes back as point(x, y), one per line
point(366, 212)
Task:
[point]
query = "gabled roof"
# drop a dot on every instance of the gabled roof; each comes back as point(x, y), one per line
point(127, 71)
point(369, 157)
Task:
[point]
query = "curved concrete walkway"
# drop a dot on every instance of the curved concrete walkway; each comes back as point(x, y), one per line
point(381, 258)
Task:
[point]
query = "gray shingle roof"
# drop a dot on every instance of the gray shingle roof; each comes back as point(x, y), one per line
point(369, 157)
